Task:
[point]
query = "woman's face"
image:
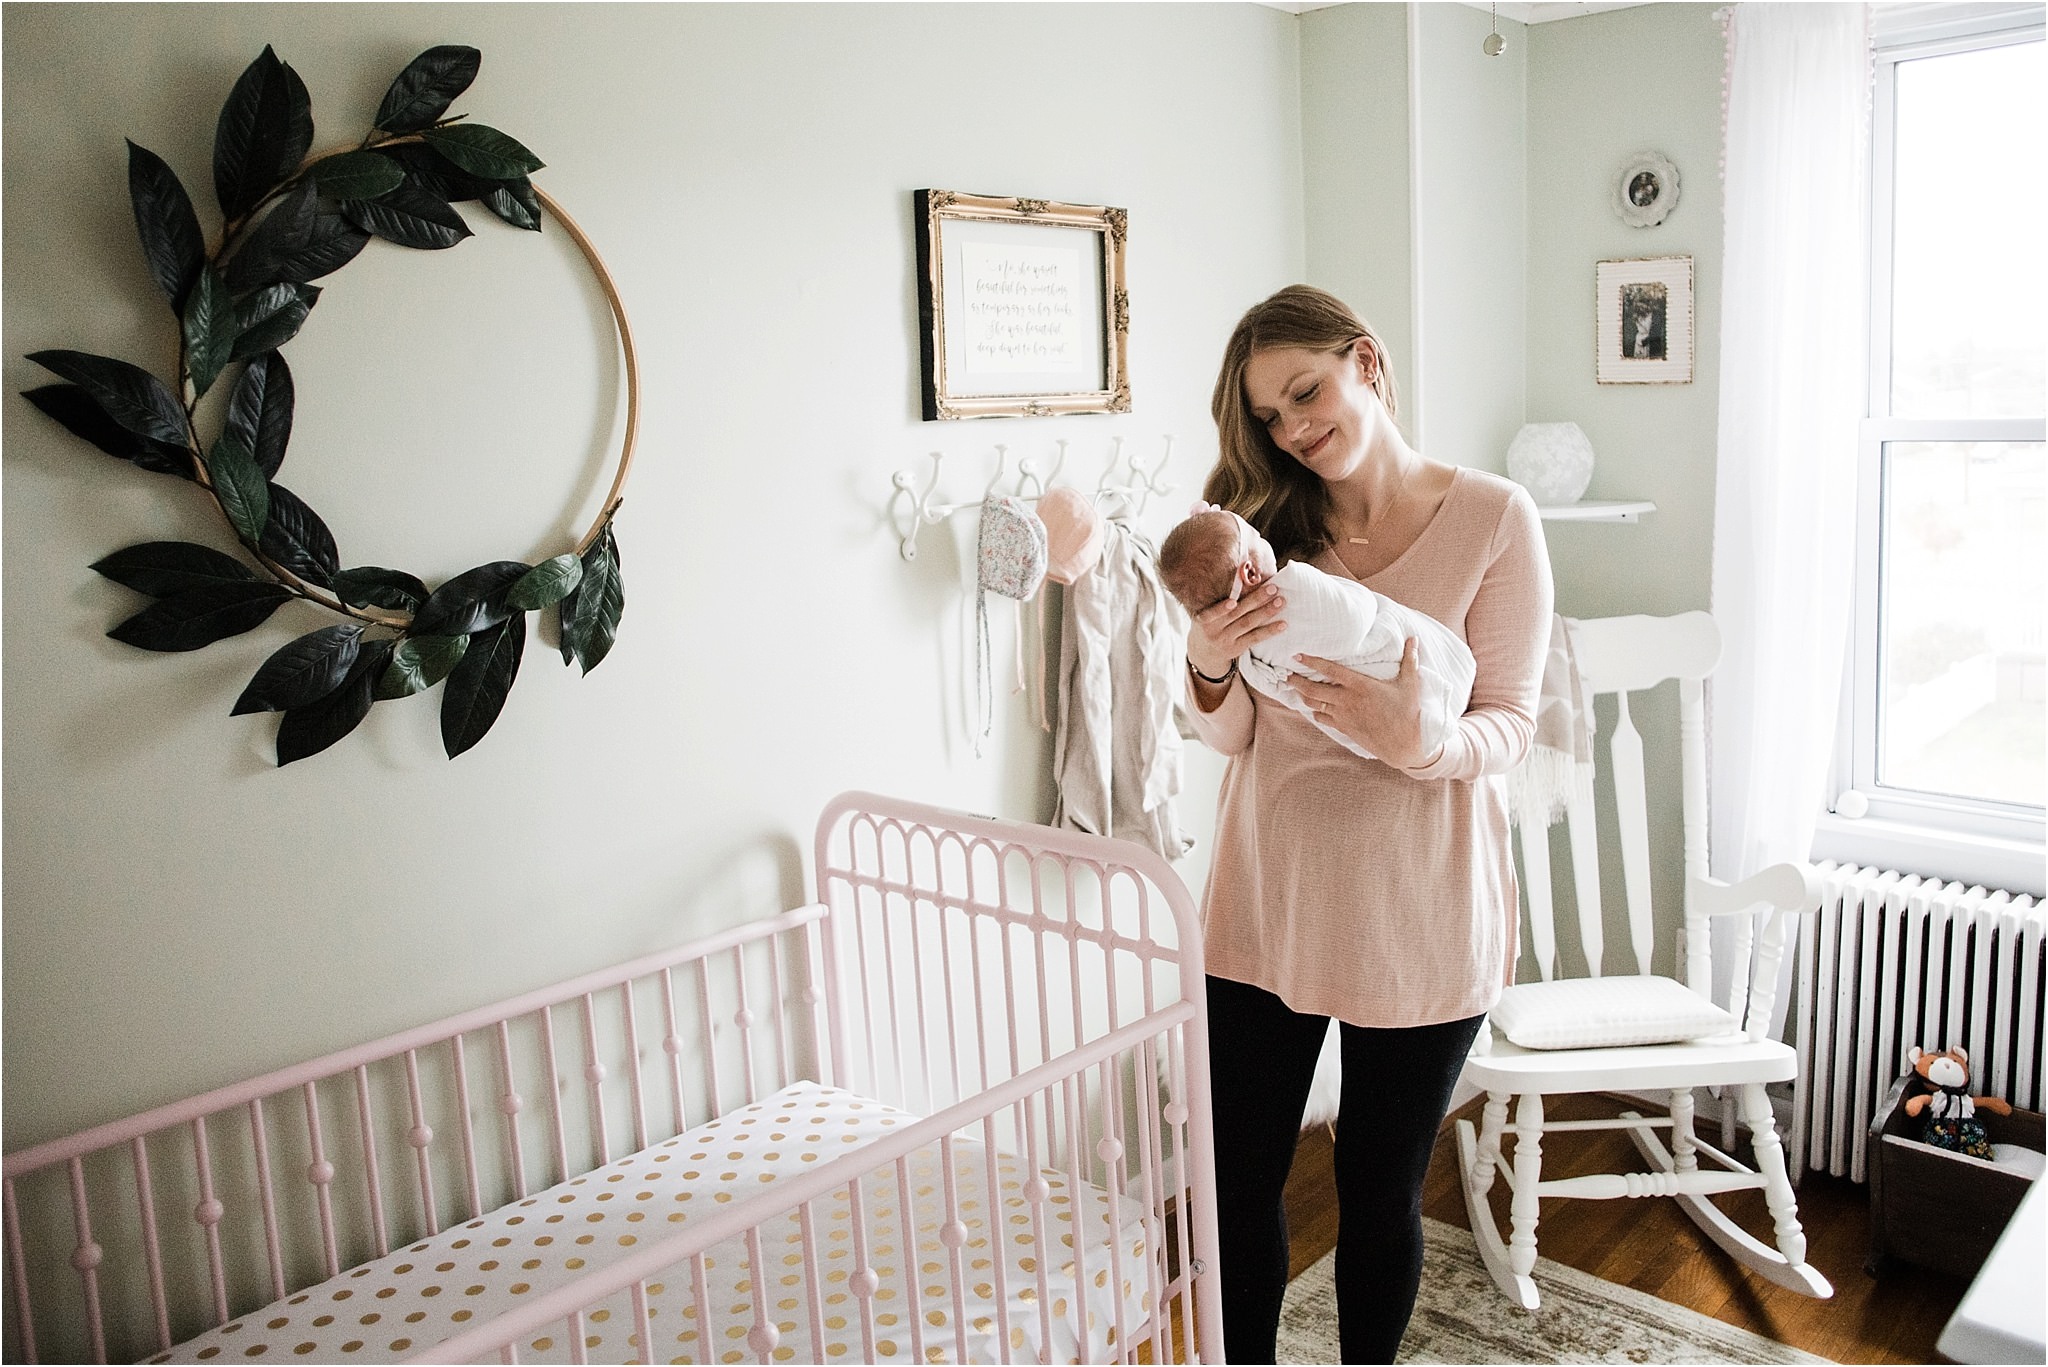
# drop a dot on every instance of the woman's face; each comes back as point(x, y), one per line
point(1317, 406)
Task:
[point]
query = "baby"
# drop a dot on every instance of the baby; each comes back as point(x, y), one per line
point(1216, 555)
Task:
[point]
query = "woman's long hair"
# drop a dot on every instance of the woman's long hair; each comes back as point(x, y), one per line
point(1254, 478)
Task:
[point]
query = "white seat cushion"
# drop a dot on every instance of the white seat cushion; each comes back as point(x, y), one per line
point(1600, 1013)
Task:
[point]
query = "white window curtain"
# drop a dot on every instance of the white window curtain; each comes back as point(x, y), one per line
point(1793, 386)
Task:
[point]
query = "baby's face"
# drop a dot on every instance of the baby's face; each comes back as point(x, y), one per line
point(1255, 563)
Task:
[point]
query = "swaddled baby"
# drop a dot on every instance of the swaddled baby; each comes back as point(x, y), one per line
point(1216, 555)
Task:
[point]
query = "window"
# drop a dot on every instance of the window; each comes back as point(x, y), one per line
point(1946, 723)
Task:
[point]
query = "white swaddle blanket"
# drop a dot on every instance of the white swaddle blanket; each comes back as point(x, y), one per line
point(1343, 620)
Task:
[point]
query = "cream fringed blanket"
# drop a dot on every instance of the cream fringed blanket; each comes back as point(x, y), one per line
point(1564, 734)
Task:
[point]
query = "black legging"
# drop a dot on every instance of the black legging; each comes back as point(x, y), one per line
point(1397, 1088)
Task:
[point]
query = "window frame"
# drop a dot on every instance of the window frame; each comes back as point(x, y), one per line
point(1998, 844)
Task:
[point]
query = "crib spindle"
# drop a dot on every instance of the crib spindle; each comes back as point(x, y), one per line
point(85, 1259)
point(813, 1271)
point(1147, 1091)
point(273, 1248)
point(907, 1253)
point(1076, 1087)
point(510, 1104)
point(321, 1174)
point(555, 1081)
point(1111, 1151)
point(700, 1292)
point(778, 1011)
point(152, 1246)
point(459, 1060)
point(579, 1349)
point(672, 1045)
point(1035, 1193)
point(594, 1074)
point(953, 1238)
point(743, 1017)
point(710, 1053)
point(997, 1235)
point(420, 1137)
point(17, 1276)
point(643, 1326)
point(207, 1214)
point(636, 1081)
point(863, 1282)
point(763, 1336)
point(373, 1177)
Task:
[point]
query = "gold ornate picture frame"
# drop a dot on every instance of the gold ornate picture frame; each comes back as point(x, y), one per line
point(1022, 310)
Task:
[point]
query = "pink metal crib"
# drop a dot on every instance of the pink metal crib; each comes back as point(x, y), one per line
point(956, 1110)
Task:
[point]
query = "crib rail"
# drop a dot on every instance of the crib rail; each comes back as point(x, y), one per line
point(126, 1238)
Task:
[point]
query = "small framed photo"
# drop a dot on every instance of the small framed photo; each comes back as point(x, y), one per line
point(1643, 331)
point(1021, 306)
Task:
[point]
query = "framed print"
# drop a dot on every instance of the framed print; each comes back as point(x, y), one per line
point(1021, 306)
point(1643, 321)
point(1646, 190)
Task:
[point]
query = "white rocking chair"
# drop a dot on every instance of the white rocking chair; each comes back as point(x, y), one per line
point(1600, 1033)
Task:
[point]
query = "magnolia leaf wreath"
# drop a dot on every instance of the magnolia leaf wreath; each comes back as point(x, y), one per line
point(290, 218)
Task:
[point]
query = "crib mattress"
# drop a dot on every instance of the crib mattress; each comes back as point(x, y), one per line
point(401, 1305)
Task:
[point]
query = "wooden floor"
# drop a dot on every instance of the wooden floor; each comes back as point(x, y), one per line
point(1651, 1245)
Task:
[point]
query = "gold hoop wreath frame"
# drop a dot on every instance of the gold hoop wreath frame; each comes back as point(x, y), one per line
point(289, 217)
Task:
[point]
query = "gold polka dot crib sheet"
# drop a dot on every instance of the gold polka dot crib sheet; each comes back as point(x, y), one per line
point(1060, 1273)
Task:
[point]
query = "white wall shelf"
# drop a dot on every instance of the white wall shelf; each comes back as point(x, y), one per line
point(1596, 510)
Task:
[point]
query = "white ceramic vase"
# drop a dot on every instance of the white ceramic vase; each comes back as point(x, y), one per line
point(1552, 460)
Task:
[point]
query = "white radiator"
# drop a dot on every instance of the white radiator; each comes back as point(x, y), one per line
point(1891, 961)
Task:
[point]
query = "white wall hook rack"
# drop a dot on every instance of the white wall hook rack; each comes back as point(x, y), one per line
point(1127, 483)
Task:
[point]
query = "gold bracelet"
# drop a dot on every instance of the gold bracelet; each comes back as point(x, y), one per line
point(1228, 674)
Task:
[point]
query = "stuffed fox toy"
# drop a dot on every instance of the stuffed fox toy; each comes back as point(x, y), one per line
point(1943, 1078)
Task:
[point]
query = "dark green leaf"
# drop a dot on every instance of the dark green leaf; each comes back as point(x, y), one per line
point(164, 569)
point(267, 319)
point(516, 203)
point(483, 151)
point(356, 175)
point(172, 243)
point(590, 615)
point(371, 586)
point(297, 539)
point(306, 670)
point(434, 173)
point(312, 728)
point(199, 617)
point(427, 86)
point(265, 130)
point(296, 241)
point(478, 684)
point(82, 415)
point(260, 410)
point(418, 664)
point(410, 217)
point(239, 484)
point(545, 584)
point(130, 395)
point(470, 602)
point(209, 330)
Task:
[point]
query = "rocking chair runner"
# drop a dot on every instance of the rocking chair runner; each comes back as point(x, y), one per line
point(1637, 1032)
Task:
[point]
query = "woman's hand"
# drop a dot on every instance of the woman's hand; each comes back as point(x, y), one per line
point(1383, 715)
point(1224, 631)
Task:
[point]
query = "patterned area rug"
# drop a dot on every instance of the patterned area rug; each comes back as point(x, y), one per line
point(1461, 1317)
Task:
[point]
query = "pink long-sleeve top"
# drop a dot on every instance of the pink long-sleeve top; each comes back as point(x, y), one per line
point(1380, 896)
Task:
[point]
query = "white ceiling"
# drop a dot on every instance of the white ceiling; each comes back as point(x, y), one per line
point(1539, 12)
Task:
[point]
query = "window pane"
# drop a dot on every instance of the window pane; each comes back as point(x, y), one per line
point(1967, 283)
point(1965, 547)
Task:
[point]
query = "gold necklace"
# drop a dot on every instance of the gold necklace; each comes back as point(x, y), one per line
point(1387, 503)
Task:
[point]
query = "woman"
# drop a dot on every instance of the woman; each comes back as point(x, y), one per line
point(1379, 892)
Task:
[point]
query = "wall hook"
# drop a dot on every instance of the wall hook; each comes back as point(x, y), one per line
point(907, 522)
